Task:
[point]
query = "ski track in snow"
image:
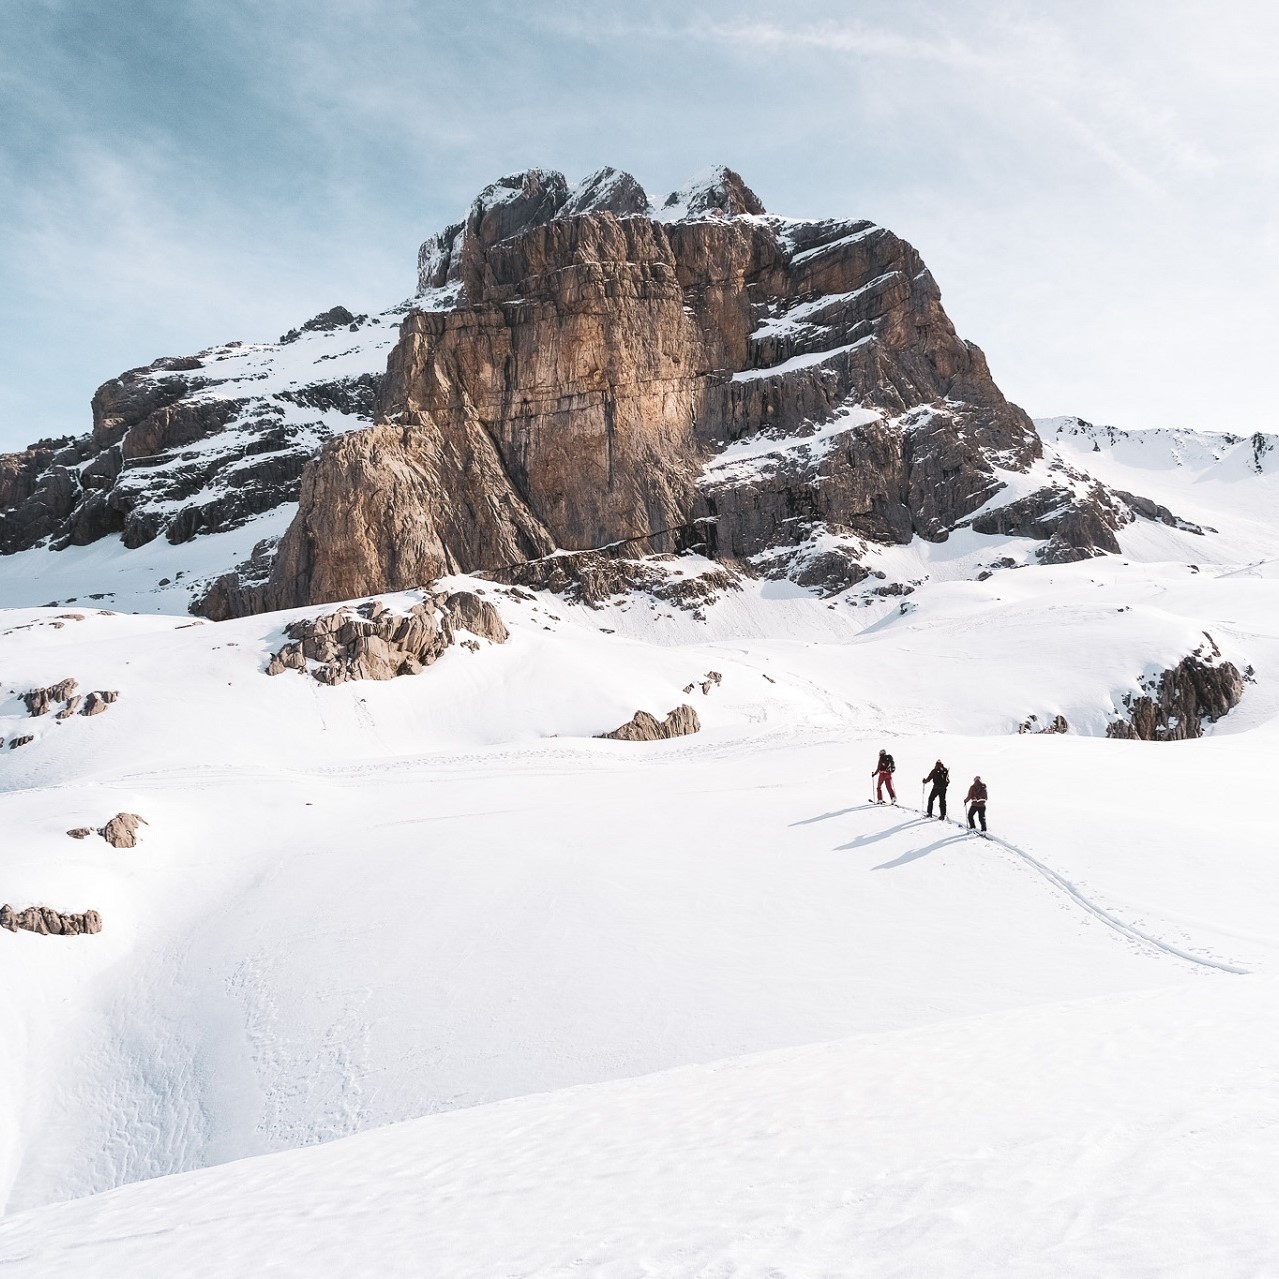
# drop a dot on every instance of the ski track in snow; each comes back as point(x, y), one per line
point(1131, 931)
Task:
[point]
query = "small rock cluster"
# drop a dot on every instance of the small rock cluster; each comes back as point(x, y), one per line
point(44, 919)
point(712, 679)
point(372, 642)
point(643, 727)
point(1176, 703)
point(1031, 724)
point(40, 701)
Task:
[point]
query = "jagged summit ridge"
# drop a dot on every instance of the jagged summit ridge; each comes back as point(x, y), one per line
point(520, 202)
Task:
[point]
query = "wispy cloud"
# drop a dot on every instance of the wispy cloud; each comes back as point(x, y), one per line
point(171, 175)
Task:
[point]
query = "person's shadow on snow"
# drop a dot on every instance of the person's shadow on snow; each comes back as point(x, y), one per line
point(862, 840)
point(825, 817)
point(916, 853)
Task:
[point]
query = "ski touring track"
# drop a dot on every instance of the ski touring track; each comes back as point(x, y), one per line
point(1064, 886)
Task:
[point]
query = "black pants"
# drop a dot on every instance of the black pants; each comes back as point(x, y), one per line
point(977, 810)
point(938, 793)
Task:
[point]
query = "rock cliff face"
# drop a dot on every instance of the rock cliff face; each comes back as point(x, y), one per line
point(582, 370)
point(1176, 703)
point(199, 444)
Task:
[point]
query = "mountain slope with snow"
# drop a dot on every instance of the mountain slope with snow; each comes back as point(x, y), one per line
point(424, 974)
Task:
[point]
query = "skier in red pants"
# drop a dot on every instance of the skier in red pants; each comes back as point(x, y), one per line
point(884, 773)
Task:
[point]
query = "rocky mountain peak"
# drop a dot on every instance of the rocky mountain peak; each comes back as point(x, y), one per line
point(580, 373)
point(715, 190)
point(607, 190)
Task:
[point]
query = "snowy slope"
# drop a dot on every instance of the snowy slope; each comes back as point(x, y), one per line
point(1127, 1135)
point(528, 974)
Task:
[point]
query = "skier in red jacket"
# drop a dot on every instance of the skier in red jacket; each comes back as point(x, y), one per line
point(976, 801)
point(884, 770)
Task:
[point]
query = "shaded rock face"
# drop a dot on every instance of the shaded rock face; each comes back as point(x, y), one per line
point(643, 727)
point(122, 830)
point(172, 454)
point(1074, 527)
point(1177, 703)
point(44, 919)
point(372, 642)
point(594, 577)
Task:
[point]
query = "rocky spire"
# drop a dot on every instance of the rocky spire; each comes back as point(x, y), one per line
point(715, 190)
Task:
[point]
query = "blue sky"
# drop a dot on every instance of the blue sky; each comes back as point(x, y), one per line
point(1094, 185)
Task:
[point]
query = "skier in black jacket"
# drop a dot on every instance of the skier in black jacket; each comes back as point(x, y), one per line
point(940, 778)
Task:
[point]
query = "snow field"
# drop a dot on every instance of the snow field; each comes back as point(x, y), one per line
point(442, 984)
point(1124, 1135)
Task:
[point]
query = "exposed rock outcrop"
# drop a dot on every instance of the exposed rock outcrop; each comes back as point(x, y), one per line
point(97, 701)
point(182, 447)
point(1053, 724)
point(373, 642)
point(39, 701)
point(643, 727)
point(122, 830)
point(594, 577)
point(44, 919)
point(337, 317)
point(80, 832)
point(1177, 702)
point(25, 740)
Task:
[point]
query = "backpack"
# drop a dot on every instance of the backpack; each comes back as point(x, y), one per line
point(941, 776)
point(886, 763)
